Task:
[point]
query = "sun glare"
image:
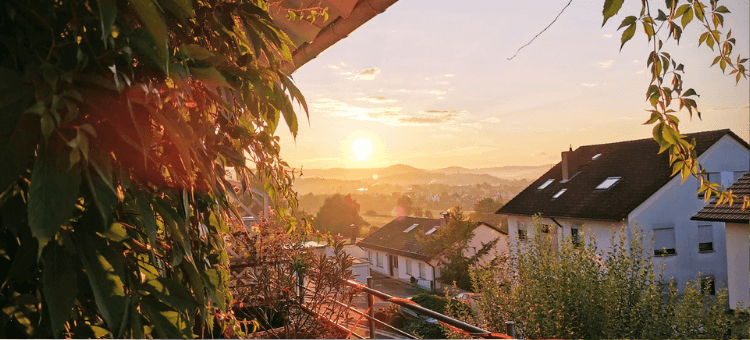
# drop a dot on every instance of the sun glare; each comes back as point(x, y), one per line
point(362, 149)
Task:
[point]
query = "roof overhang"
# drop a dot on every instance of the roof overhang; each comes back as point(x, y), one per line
point(312, 38)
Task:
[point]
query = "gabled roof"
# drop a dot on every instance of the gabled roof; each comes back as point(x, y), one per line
point(391, 238)
point(642, 170)
point(725, 213)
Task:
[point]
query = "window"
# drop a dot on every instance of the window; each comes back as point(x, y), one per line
point(562, 191)
point(522, 234)
point(545, 184)
point(368, 256)
point(380, 260)
point(575, 236)
point(421, 270)
point(713, 177)
point(608, 183)
point(708, 285)
point(429, 232)
point(664, 243)
point(408, 267)
point(596, 157)
point(411, 228)
point(705, 238)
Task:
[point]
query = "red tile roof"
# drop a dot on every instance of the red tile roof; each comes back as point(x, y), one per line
point(642, 169)
point(391, 238)
point(725, 212)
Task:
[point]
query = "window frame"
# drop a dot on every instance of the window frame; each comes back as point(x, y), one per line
point(616, 179)
point(422, 271)
point(661, 252)
point(709, 246)
point(408, 267)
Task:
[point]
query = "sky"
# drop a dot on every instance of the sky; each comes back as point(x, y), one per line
point(428, 83)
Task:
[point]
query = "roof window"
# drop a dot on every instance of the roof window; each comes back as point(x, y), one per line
point(562, 191)
point(411, 227)
point(608, 183)
point(596, 157)
point(429, 232)
point(545, 184)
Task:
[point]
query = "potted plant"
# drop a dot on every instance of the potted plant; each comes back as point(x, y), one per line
point(413, 281)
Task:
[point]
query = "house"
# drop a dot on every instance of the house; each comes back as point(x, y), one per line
point(602, 187)
point(736, 220)
point(393, 249)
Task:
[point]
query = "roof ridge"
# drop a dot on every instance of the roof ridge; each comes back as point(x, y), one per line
point(693, 134)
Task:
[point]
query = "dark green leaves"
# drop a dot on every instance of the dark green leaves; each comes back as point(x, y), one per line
point(630, 23)
point(611, 7)
point(53, 192)
point(59, 283)
point(171, 292)
point(107, 12)
point(18, 131)
point(153, 21)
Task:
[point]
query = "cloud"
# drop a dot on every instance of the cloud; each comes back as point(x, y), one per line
point(608, 36)
point(442, 136)
point(368, 74)
point(450, 75)
point(635, 61)
point(606, 63)
point(438, 92)
point(391, 115)
point(589, 84)
point(641, 71)
point(726, 108)
point(492, 120)
point(376, 100)
point(333, 67)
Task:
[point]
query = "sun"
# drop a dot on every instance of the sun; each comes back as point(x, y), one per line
point(362, 149)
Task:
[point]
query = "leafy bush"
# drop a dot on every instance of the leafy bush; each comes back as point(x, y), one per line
point(580, 292)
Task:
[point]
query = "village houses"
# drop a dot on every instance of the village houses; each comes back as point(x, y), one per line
point(598, 189)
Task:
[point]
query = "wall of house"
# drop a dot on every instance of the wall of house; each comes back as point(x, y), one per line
point(738, 259)
point(673, 205)
point(375, 265)
point(483, 235)
point(601, 231)
point(423, 281)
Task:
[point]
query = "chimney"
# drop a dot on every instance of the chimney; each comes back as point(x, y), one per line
point(444, 218)
point(570, 164)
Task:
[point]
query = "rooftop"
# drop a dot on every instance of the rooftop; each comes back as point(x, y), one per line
point(725, 212)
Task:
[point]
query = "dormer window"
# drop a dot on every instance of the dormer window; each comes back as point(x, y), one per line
point(545, 184)
point(608, 183)
point(559, 193)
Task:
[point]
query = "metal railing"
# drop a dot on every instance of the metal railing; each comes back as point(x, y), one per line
point(456, 325)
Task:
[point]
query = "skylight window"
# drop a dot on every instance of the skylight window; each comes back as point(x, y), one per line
point(608, 183)
point(545, 184)
point(429, 232)
point(562, 191)
point(411, 227)
point(596, 157)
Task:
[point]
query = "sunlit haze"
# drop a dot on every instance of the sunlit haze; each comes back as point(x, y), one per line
point(428, 83)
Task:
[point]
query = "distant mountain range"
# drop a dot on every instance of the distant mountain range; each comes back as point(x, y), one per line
point(401, 172)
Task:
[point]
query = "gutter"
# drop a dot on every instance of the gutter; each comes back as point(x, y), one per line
point(337, 30)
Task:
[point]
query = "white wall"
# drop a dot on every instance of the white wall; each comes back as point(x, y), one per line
point(602, 231)
point(738, 258)
point(674, 204)
point(483, 235)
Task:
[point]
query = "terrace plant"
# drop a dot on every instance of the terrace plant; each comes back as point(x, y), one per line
point(119, 120)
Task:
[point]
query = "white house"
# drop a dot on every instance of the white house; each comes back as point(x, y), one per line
point(736, 221)
point(602, 187)
point(393, 249)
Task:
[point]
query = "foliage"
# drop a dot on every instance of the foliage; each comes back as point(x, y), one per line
point(405, 205)
point(665, 97)
point(487, 206)
point(580, 292)
point(119, 119)
point(337, 215)
point(449, 244)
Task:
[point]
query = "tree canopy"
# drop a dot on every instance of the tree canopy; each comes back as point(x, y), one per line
point(337, 215)
point(119, 118)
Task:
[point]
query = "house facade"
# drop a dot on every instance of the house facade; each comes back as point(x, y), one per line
point(737, 227)
point(393, 250)
point(598, 189)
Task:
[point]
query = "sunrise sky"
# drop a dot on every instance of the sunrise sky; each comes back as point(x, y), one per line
point(428, 83)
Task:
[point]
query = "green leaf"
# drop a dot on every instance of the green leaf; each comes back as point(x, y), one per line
point(722, 9)
point(53, 193)
point(59, 284)
point(627, 35)
point(168, 324)
point(649, 30)
point(107, 12)
point(198, 52)
point(209, 75)
point(611, 7)
point(48, 125)
point(653, 119)
point(182, 9)
point(687, 17)
point(105, 198)
point(104, 273)
point(149, 221)
point(689, 92)
point(171, 292)
point(116, 232)
point(19, 134)
point(153, 21)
